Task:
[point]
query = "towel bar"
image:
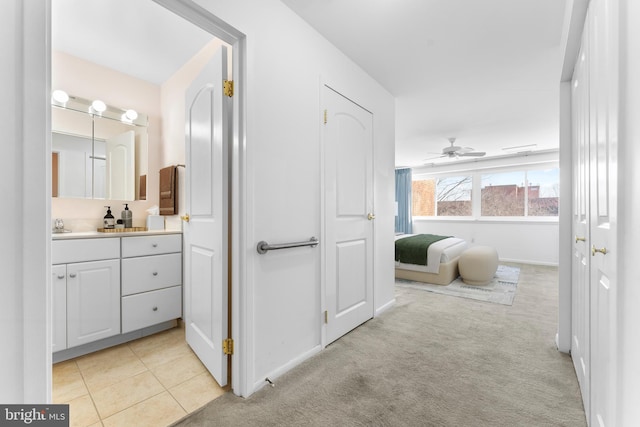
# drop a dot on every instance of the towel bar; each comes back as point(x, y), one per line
point(263, 247)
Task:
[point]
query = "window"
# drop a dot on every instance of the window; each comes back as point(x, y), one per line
point(502, 194)
point(543, 192)
point(521, 193)
point(450, 196)
point(498, 193)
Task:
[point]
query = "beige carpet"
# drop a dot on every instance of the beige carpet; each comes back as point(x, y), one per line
point(433, 360)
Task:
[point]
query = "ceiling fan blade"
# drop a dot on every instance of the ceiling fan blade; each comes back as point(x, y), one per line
point(472, 154)
point(433, 158)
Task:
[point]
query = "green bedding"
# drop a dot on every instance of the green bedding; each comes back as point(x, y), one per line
point(413, 250)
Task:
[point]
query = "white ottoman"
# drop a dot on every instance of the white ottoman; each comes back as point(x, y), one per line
point(478, 265)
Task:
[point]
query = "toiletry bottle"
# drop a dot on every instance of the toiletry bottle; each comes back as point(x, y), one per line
point(127, 216)
point(109, 220)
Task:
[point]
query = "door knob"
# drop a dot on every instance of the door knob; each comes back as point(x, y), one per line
point(185, 217)
point(371, 216)
point(580, 239)
point(603, 251)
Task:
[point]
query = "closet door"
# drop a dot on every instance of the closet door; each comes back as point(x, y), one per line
point(594, 344)
point(348, 214)
point(580, 301)
point(603, 138)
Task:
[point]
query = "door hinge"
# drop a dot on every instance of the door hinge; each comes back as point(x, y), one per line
point(228, 88)
point(326, 316)
point(227, 346)
point(325, 117)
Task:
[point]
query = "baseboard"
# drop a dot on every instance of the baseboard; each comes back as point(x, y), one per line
point(384, 307)
point(528, 261)
point(273, 375)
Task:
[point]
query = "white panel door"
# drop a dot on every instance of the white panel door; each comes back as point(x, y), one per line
point(580, 292)
point(603, 135)
point(349, 216)
point(120, 166)
point(206, 236)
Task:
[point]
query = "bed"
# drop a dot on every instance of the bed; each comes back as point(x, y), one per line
point(441, 261)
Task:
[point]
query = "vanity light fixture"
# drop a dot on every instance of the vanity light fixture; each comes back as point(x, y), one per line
point(60, 96)
point(98, 106)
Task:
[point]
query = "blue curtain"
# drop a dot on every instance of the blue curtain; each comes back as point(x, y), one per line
point(403, 199)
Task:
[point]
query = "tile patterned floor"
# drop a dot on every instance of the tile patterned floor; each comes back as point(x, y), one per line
point(153, 381)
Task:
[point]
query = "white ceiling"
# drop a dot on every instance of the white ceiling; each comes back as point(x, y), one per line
point(137, 37)
point(484, 71)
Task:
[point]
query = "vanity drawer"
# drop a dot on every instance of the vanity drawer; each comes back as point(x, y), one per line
point(151, 245)
point(150, 308)
point(148, 273)
point(80, 250)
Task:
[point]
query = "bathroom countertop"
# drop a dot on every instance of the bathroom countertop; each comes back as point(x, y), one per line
point(98, 234)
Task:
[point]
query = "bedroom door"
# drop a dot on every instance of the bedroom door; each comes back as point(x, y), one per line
point(348, 214)
point(206, 223)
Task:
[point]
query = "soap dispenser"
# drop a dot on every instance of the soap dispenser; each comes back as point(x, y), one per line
point(127, 216)
point(109, 220)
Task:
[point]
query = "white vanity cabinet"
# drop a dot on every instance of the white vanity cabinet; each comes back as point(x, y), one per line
point(151, 280)
point(59, 298)
point(86, 291)
point(108, 290)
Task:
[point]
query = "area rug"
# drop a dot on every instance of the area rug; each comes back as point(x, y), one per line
point(501, 289)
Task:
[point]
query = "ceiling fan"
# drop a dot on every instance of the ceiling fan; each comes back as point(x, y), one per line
point(455, 151)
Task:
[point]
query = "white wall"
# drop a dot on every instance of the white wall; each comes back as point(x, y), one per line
point(515, 241)
point(25, 359)
point(286, 61)
point(628, 213)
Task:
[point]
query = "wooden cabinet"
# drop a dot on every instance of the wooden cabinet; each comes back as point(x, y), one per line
point(151, 280)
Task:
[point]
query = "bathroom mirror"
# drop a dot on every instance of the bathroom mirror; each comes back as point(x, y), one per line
point(98, 154)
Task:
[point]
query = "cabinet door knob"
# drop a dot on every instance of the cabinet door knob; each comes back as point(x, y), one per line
point(155, 273)
point(155, 308)
point(60, 276)
point(72, 275)
point(155, 245)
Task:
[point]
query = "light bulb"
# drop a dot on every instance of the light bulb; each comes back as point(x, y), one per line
point(60, 96)
point(131, 114)
point(98, 106)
